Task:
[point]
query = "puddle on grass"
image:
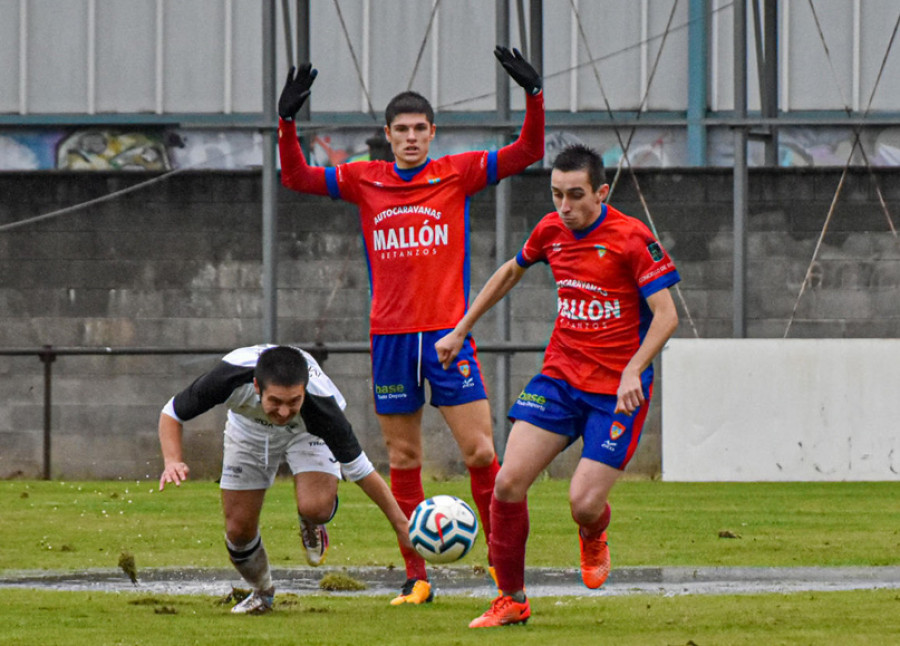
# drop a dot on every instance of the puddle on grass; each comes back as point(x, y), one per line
point(460, 581)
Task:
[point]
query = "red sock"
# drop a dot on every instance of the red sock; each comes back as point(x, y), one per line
point(406, 485)
point(482, 481)
point(595, 529)
point(508, 546)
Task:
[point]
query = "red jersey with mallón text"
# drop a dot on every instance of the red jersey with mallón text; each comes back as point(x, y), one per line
point(416, 235)
point(415, 222)
point(603, 276)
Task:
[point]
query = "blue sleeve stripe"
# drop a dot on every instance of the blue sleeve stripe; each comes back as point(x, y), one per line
point(661, 283)
point(520, 259)
point(492, 168)
point(331, 183)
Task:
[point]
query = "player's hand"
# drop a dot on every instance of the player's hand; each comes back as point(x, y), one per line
point(448, 346)
point(519, 69)
point(176, 473)
point(402, 532)
point(630, 395)
point(296, 90)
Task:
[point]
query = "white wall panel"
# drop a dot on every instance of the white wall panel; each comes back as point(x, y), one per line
point(126, 38)
point(467, 28)
point(201, 75)
point(669, 87)
point(878, 18)
point(813, 84)
point(9, 55)
point(246, 58)
point(397, 33)
point(337, 88)
point(780, 410)
point(613, 34)
point(194, 56)
point(57, 54)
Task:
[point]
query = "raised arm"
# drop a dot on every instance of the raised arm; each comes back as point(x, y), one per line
point(497, 286)
point(529, 147)
point(296, 174)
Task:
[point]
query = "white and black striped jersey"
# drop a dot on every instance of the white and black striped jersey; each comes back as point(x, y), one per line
point(231, 383)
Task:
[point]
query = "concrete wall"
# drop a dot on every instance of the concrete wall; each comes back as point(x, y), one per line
point(789, 410)
point(178, 265)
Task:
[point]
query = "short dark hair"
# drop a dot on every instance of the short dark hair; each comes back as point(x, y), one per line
point(281, 366)
point(581, 157)
point(408, 103)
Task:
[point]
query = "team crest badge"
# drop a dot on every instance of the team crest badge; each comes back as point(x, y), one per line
point(655, 250)
point(464, 368)
point(601, 250)
point(616, 430)
point(434, 180)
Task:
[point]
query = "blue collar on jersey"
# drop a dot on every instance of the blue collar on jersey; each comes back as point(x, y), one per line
point(406, 174)
point(581, 233)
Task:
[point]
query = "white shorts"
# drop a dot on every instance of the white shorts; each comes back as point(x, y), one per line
point(251, 458)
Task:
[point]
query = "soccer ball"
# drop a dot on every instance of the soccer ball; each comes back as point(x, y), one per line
point(443, 529)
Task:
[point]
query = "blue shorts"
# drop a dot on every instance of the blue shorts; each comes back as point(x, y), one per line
point(401, 363)
point(555, 406)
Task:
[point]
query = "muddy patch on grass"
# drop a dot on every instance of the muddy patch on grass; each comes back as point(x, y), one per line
point(541, 582)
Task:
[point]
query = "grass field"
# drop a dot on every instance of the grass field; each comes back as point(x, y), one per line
point(79, 525)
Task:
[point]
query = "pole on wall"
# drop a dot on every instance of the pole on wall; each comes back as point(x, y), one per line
point(269, 179)
point(698, 81)
point(740, 169)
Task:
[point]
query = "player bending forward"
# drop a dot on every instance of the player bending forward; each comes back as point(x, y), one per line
point(414, 215)
point(269, 391)
point(614, 315)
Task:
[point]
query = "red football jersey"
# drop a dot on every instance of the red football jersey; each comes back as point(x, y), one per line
point(603, 276)
point(415, 222)
point(416, 235)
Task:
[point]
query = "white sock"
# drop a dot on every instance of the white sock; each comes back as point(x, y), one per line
point(252, 562)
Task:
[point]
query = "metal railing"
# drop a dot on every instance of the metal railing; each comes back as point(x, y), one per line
point(320, 351)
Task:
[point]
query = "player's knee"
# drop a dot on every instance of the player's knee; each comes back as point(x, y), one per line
point(481, 455)
point(403, 455)
point(584, 513)
point(319, 510)
point(240, 535)
point(509, 489)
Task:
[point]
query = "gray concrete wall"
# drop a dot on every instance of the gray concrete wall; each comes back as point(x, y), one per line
point(178, 265)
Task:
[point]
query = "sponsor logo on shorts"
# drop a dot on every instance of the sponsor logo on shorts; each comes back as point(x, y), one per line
point(464, 369)
point(531, 400)
point(232, 471)
point(390, 391)
point(616, 430)
point(609, 446)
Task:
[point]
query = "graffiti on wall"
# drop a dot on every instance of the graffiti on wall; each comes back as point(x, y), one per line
point(163, 149)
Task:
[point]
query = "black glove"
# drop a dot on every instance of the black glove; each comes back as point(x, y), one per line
point(296, 90)
point(519, 69)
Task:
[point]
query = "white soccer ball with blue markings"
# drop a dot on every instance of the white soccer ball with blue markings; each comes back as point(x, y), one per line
point(443, 529)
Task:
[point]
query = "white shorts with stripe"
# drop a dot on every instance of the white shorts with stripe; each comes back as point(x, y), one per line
point(252, 456)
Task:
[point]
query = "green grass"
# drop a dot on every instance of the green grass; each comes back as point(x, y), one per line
point(77, 525)
point(80, 525)
point(30, 617)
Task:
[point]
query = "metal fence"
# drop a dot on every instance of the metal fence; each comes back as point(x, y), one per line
point(47, 354)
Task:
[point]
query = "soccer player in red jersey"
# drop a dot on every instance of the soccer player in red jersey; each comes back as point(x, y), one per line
point(614, 314)
point(415, 223)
